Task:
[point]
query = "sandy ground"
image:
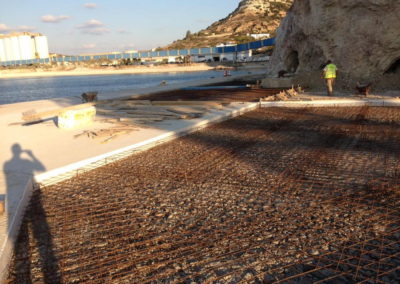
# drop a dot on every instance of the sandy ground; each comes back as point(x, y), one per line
point(84, 71)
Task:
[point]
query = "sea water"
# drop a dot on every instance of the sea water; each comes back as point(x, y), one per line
point(32, 89)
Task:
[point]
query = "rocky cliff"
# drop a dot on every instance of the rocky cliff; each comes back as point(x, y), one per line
point(361, 36)
point(251, 17)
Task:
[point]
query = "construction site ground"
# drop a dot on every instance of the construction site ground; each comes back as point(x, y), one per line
point(255, 94)
point(41, 150)
point(307, 195)
point(223, 95)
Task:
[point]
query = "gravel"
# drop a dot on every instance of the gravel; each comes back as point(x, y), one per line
point(290, 195)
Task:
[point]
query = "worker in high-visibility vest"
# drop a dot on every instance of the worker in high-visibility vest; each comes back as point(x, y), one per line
point(330, 73)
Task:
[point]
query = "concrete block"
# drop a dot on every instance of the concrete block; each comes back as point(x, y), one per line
point(391, 103)
point(76, 118)
point(335, 103)
point(317, 103)
point(375, 103)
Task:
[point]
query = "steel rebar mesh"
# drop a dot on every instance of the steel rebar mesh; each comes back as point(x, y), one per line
point(273, 196)
point(228, 95)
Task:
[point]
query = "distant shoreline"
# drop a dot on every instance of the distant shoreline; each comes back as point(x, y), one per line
point(82, 71)
point(85, 71)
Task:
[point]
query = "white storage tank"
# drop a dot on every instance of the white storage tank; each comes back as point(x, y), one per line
point(42, 48)
point(2, 50)
point(26, 47)
point(8, 49)
point(15, 48)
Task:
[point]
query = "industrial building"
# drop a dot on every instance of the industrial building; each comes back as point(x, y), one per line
point(23, 46)
point(240, 52)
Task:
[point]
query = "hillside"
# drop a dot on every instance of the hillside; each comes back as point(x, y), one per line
point(251, 17)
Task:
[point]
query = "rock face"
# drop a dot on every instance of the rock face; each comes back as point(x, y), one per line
point(361, 36)
point(251, 17)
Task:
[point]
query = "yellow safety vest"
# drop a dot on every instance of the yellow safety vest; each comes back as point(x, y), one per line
point(330, 71)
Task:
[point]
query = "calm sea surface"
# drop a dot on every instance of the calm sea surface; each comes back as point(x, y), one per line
point(32, 89)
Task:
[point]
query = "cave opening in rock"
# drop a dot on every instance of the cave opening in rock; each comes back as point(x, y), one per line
point(394, 68)
point(292, 62)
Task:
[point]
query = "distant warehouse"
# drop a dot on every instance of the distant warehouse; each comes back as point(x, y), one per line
point(23, 46)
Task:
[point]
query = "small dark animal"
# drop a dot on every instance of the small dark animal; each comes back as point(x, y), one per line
point(282, 73)
point(89, 97)
point(364, 89)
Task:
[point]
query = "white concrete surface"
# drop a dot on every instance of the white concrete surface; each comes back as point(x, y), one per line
point(333, 103)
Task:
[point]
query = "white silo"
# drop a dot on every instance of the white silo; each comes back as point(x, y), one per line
point(26, 47)
point(2, 50)
point(15, 48)
point(35, 54)
point(42, 48)
point(8, 49)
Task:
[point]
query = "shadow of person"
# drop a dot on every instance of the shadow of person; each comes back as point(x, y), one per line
point(19, 173)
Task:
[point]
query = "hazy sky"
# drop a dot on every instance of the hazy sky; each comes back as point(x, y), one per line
point(75, 26)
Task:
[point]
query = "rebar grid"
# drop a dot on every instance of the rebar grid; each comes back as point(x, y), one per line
point(273, 196)
point(228, 95)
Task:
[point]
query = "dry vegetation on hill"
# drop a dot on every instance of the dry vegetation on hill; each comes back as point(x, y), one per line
point(251, 17)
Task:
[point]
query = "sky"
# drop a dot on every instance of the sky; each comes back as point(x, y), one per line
point(78, 27)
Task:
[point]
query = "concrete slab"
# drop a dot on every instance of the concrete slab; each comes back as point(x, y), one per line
point(391, 103)
point(347, 95)
point(332, 103)
point(42, 151)
point(319, 103)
